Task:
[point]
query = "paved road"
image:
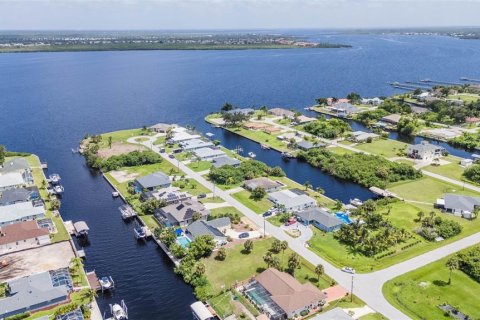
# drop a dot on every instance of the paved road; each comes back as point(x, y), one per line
point(367, 287)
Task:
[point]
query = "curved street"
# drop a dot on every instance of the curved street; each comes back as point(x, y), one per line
point(367, 287)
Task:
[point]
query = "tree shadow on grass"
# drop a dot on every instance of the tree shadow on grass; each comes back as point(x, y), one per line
point(440, 283)
point(260, 269)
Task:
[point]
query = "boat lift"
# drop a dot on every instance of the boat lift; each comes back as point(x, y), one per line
point(118, 311)
point(127, 212)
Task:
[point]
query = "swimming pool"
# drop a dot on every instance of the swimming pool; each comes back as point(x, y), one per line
point(184, 241)
point(344, 217)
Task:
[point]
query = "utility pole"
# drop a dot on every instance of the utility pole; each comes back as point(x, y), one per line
point(264, 234)
point(351, 291)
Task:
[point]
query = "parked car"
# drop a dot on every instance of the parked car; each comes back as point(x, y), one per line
point(268, 214)
point(348, 270)
point(201, 196)
point(171, 156)
point(243, 235)
point(162, 150)
point(291, 221)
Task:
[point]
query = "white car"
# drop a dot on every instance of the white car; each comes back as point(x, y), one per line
point(348, 270)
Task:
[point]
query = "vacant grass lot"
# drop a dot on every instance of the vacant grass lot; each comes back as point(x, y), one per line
point(122, 136)
point(340, 150)
point(418, 293)
point(383, 147)
point(427, 189)
point(451, 170)
point(240, 267)
point(199, 166)
point(261, 137)
point(256, 206)
point(219, 211)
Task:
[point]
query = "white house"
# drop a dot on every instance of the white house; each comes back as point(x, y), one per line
point(21, 236)
point(292, 200)
point(18, 212)
point(11, 180)
point(208, 153)
point(425, 151)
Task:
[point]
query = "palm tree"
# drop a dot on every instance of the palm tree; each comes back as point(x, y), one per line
point(319, 270)
point(268, 258)
point(320, 190)
point(110, 139)
point(264, 109)
point(420, 216)
point(307, 185)
point(200, 269)
point(452, 264)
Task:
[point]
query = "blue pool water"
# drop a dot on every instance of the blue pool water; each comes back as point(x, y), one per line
point(184, 241)
point(344, 217)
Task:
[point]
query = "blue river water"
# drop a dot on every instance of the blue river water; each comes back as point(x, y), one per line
point(48, 101)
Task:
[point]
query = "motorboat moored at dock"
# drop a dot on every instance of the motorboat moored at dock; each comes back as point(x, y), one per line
point(252, 155)
point(139, 233)
point(115, 194)
point(118, 311)
point(54, 178)
point(356, 202)
point(127, 212)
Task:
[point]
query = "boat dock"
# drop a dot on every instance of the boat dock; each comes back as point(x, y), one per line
point(469, 79)
point(442, 82)
point(100, 284)
point(384, 193)
point(78, 229)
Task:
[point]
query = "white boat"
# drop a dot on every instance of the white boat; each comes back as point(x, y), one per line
point(119, 311)
point(58, 189)
point(115, 194)
point(54, 178)
point(106, 283)
point(209, 134)
point(287, 155)
point(252, 155)
point(356, 202)
point(264, 146)
point(127, 212)
point(139, 233)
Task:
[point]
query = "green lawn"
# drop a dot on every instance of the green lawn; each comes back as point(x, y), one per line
point(431, 189)
point(200, 165)
point(261, 137)
point(212, 200)
point(150, 221)
point(122, 135)
point(383, 147)
point(373, 316)
point(419, 292)
point(451, 170)
point(240, 267)
point(257, 206)
point(219, 211)
point(402, 215)
point(465, 97)
point(159, 140)
point(222, 304)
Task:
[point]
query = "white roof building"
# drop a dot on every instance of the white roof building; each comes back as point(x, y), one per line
point(11, 180)
point(181, 134)
point(292, 200)
point(195, 144)
point(23, 211)
point(208, 153)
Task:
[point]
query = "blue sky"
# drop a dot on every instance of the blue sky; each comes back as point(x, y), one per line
point(235, 14)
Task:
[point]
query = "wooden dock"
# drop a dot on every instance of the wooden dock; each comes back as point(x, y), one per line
point(93, 281)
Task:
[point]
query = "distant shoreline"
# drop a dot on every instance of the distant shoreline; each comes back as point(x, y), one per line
point(80, 48)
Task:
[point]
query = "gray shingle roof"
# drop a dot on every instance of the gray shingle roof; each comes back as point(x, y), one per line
point(153, 180)
point(34, 290)
point(223, 161)
point(200, 228)
point(460, 202)
point(262, 182)
point(219, 223)
point(18, 195)
point(334, 314)
point(14, 165)
point(305, 145)
point(321, 216)
point(183, 211)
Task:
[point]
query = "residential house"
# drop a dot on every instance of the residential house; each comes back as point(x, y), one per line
point(225, 161)
point(208, 154)
point(12, 196)
point(35, 292)
point(372, 101)
point(21, 236)
point(264, 183)
point(304, 119)
point(152, 182)
point(283, 296)
point(215, 228)
point(18, 212)
point(361, 136)
point(181, 214)
point(459, 205)
point(331, 101)
point(181, 134)
point(472, 120)
point(425, 151)
point(334, 314)
point(170, 195)
point(195, 144)
point(244, 111)
point(392, 118)
point(320, 218)
point(18, 165)
point(12, 180)
point(293, 200)
point(307, 145)
point(442, 133)
point(162, 127)
point(344, 109)
point(255, 125)
point(281, 112)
